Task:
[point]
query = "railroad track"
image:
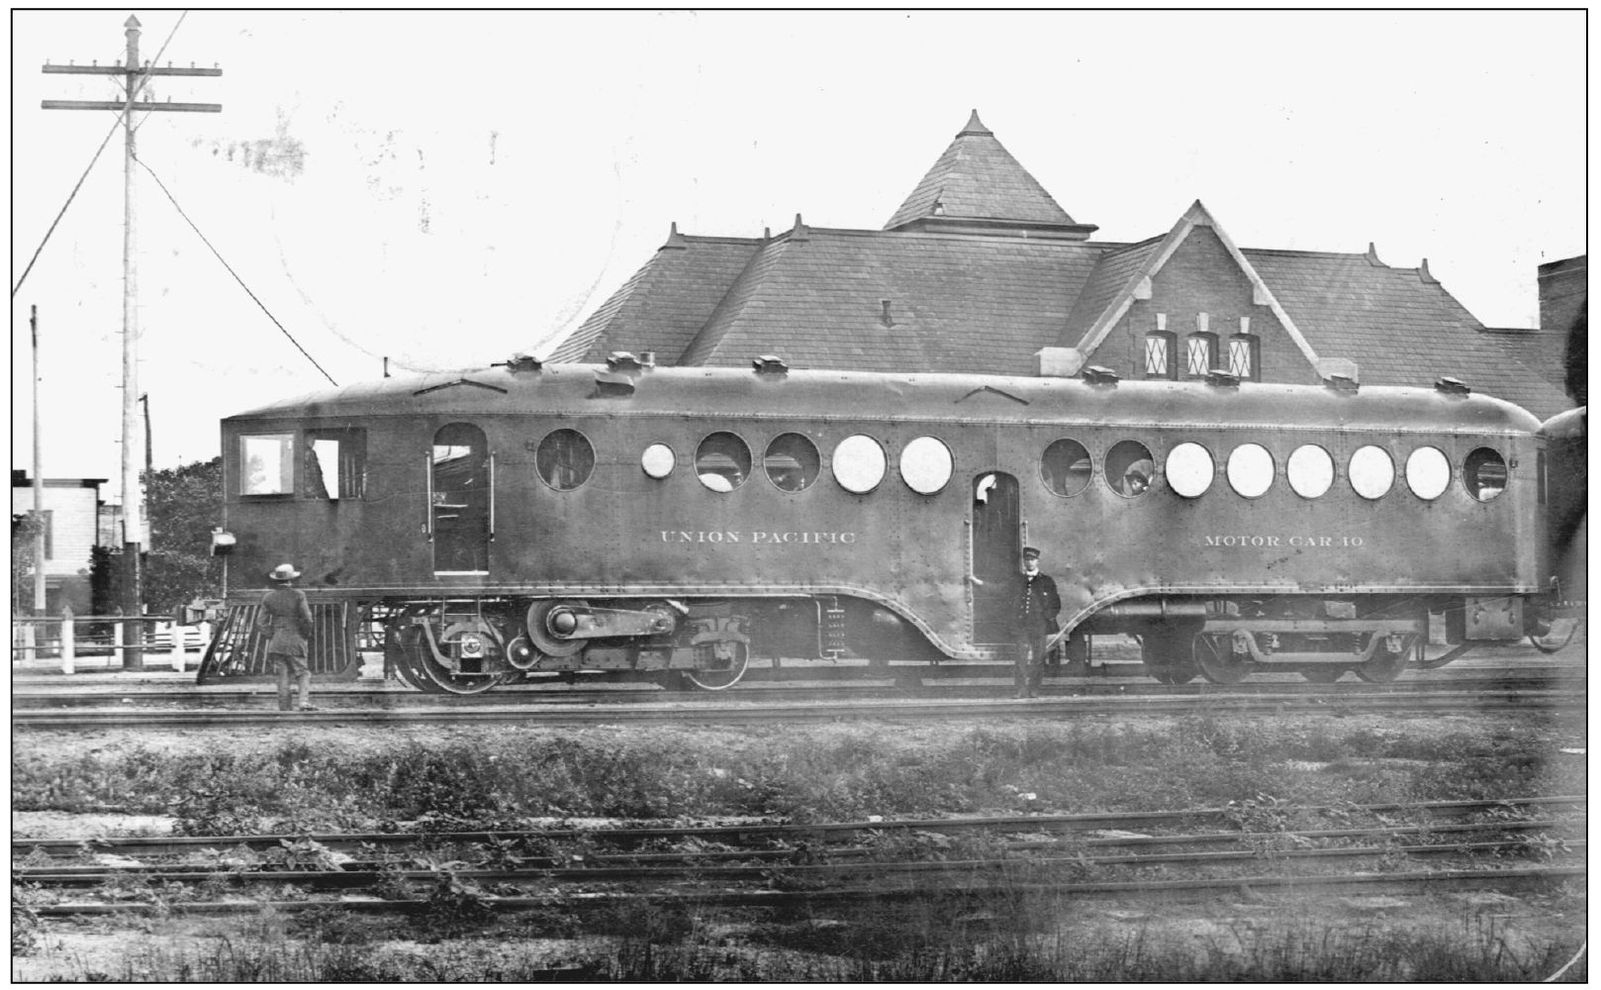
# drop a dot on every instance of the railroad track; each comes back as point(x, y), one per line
point(736, 711)
point(1550, 676)
point(777, 864)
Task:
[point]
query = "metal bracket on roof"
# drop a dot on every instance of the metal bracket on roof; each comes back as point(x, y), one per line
point(1097, 374)
point(625, 361)
point(1452, 386)
point(460, 381)
point(610, 384)
point(520, 362)
point(1222, 379)
point(770, 364)
point(1341, 383)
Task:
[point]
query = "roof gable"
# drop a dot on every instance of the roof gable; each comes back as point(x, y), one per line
point(1136, 279)
point(977, 183)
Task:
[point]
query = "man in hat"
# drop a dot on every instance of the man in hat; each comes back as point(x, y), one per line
point(1037, 605)
point(286, 619)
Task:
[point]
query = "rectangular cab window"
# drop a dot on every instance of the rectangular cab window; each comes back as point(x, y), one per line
point(267, 464)
point(335, 464)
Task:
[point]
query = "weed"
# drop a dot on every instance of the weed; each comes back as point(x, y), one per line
point(25, 923)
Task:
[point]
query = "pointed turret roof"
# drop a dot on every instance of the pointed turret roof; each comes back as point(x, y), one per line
point(977, 185)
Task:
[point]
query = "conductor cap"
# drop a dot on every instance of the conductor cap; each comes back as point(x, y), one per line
point(1031, 553)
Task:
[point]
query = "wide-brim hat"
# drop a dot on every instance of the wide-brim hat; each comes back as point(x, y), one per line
point(1031, 551)
point(284, 572)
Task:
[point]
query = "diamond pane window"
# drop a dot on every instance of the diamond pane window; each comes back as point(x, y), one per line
point(1242, 355)
point(1159, 361)
point(1200, 354)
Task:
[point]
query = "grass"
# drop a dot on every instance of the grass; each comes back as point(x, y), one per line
point(1259, 768)
point(802, 773)
point(940, 940)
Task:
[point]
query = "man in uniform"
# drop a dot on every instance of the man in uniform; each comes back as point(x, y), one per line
point(286, 619)
point(1037, 606)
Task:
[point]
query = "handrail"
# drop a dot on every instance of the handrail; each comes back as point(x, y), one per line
point(428, 474)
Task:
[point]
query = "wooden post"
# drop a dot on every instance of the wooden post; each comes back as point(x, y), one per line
point(29, 637)
point(69, 650)
point(179, 635)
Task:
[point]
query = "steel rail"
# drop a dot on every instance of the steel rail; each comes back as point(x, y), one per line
point(766, 691)
point(366, 875)
point(746, 831)
point(726, 713)
point(705, 898)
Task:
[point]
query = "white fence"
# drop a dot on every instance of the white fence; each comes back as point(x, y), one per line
point(36, 640)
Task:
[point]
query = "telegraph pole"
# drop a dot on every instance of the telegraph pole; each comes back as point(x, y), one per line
point(38, 476)
point(134, 77)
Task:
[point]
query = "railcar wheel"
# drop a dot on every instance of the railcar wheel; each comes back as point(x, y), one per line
point(1383, 668)
point(721, 680)
point(1169, 656)
point(426, 674)
point(1217, 666)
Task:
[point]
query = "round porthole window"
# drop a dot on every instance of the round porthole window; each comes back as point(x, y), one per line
point(1251, 470)
point(1189, 469)
point(791, 462)
point(722, 462)
point(1129, 468)
point(658, 460)
point(565, 459)
point(926, 465)
point(1428, 473)
point(859, 464)
point(1485, 474)
point(1066, 467)
point(1371, 472)
point(1311, 471)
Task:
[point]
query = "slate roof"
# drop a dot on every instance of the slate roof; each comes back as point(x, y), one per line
point(956, 302)
point(1109, 280)
point(985, 297)
point(1400, 328)
point(665, 304)
point(978, 179)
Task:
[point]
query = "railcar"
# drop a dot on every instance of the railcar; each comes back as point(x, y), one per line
point(523, 521)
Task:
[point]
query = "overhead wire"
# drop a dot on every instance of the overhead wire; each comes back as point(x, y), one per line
point(218, 254)
point(144, 77)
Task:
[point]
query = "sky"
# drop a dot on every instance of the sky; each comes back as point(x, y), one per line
point(446, 189)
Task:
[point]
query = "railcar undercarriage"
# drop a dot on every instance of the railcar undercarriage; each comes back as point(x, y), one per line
point(1225, 640)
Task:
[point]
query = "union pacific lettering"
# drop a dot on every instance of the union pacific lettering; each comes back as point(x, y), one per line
point(1257, 540)
point(764, 537)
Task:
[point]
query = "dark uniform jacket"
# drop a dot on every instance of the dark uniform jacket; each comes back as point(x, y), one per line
point(287, 617)
point(1037, 605)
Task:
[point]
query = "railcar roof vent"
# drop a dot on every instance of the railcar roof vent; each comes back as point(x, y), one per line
point(1341, 383)
point(1097, 374)
point(520, 362)
point(770, 364)
point(1451, 386)
point(1222, 379)
point(611, 384)
point(624, 361)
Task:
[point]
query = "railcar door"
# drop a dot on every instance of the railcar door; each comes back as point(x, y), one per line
point(997, 547)
point(459, 494)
